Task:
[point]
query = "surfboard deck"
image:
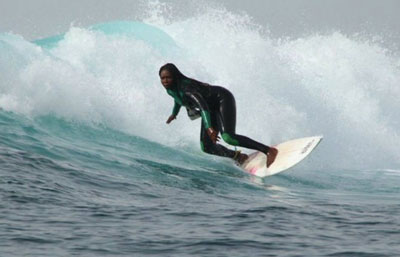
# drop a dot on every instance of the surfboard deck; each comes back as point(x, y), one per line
point(289, 154)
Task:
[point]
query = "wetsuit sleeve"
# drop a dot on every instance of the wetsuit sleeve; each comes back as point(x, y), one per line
point(199, 102)
point(176, 109)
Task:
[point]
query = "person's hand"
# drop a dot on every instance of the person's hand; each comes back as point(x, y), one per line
point(213, 134)
point(172, 117)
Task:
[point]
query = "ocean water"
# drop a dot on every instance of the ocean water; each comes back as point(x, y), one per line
point(88, 166)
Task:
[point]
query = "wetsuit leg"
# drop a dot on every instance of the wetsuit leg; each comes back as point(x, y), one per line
point(209, 147)
point(227, 123)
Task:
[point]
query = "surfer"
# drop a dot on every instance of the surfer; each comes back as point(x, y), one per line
point(217, 108)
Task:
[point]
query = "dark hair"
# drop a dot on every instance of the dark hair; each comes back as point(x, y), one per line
point(175, 72)
point(177, 75)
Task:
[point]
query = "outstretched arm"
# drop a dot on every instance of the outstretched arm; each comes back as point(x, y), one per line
point(175, 112)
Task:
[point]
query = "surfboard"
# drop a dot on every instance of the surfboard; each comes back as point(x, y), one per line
point(289, 154)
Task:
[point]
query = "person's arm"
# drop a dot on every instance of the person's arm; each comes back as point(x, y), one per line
point(175, 112)
point(176, 109)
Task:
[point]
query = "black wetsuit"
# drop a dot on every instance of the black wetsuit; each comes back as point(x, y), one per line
point(217, 108)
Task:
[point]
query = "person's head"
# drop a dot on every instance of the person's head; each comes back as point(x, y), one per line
point(170, 75)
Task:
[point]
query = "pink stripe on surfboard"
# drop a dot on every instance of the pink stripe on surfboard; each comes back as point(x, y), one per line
point(253, 170)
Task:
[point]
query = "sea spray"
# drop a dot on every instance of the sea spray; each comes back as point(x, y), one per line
point(333, 85)
point(342, 87)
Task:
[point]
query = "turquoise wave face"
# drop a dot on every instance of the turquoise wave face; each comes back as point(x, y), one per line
point(50, 144)
point(152, 35)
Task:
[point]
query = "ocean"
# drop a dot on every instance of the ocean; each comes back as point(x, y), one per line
point(88, 166)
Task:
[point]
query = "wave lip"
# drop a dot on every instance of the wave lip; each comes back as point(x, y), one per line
point(131, 29)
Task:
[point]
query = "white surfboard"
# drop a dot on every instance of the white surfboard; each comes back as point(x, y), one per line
point(289, 154)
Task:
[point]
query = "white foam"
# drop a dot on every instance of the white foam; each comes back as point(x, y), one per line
point(341, 87)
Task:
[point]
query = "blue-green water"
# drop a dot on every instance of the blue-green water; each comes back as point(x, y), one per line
point(88, 166)
point(69, 189)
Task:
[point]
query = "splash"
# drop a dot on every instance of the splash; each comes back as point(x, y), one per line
point(341, 87)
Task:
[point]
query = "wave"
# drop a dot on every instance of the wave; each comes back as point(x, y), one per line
point(345, 88)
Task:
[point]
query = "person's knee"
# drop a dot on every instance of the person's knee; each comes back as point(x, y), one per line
point(229, 139)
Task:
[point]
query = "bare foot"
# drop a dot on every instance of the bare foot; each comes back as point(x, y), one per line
point(240, 158)
point(271, 155)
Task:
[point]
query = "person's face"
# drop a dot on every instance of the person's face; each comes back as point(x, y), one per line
point(166, 79)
